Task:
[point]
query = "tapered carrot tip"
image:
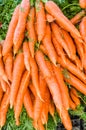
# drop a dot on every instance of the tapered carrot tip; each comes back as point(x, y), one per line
point(11, 106)
point(40, 97)
point(17, 122)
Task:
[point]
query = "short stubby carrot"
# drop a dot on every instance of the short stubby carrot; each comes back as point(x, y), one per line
point(59, 37)
point(49, 18)
point(40, 18)
point(18, 69)
point(4, 107)
point(20, 96)
point(26, 52)
point(49, 46)
point(82, 4)
point(31, 30)
point(62, 20)
point(77, 18)
point(28, 103)
point(8, 43)
point(82, 28)
point(1, 93)
point(20, 28)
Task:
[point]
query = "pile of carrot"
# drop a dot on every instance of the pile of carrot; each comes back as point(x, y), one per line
point(43, 52)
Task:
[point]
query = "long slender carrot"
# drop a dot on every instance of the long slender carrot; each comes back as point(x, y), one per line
point(20, 28)
point(82, 27)
point(49, 18)
point(82, 4)
point(59, 37)
point(72, 104)
point(40, 125)
point(1, 93)
point(4, 107)
point(58, 48)
point(40, 18)
point(33, 90)
point(31, 30)
point(73, 69)
point(78, 63)
point(62, 20)
point(20, 96)
point(43, 49)
point(84, 58)
point(52, 108)
point(0, 51)
point(49, 46)
point(18, 69)
point(76, 83)
point(28, 103)
point(77, 18)
point(74, 91)
point(34, 76)
point(27, 55)
point(8, 43)
point(3, 84)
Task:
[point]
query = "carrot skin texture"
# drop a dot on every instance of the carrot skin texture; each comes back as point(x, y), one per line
point(31, 30)
point(20, 96)
point(28, 104)
point(20, 28)
point(4, 107)
point(18, 69)
point(8, 43)
point(40, 18)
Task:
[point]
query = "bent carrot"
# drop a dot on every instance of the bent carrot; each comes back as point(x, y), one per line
point(20, 28)
point(49, 46)
point(40, 18)
point(77, 18)
point(8, 43)
point(4, 107)
point(49, 18)
point(20, 96)
point(31, 30)
point(82, 4)
point(18, 69)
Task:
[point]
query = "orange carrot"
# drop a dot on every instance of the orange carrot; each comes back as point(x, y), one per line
point(0, 51)
point(34, 76)
point(28, 104)
point(78, 63)
point(49, 46)
point(59, 37)
point(58, 48)
point(51, 108)
point(76, 83)
point(62, 20)
point(84, 58)
point(33, 90)
point(26, 52)
point(77, 18)
point(4, 107)
point(72, 104)
point(82, 4)
point(18, 69)
point(75, 99)
point(49, 18)
point(20, 96)
point(1, 93)
point(43, 49)
point(74, 91)
point(31, 30)
point(20, 28)
point(9, 65)
point(40, 125)
point(82, 27)
point(3, 84)
point(8, 43)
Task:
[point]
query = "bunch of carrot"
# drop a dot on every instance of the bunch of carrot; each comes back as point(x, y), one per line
point(38, 78)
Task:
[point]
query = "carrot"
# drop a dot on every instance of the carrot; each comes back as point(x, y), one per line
point(33, 90)
point(20, 96)
point(18, 69)
point(40, 125)
point(0, 51)
point(8, 43)
point(18, 45)
point(75, 99)
point(8, 61)
point(62, 20)
point(77, 18)
point(73, 69)
point(49, 18)
point(1, 93)
point(42, 64)
point(31, 30)
point(43, 49)
point(4, 107)
point(70, 44)
point(84, 58)
point(76, 83)
point(52, 109)
point(74, 91)
point(49, 46)
point(78, 63)
point(58, 48)
point(72, 104)
point(62, 86)
point(82, 4)
point(82, 27)
point(28, 104)
point(34, 76)
point(3, 84)
point(27, 55)
point(40, 18)
point(59, 37)
point(20, 28)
